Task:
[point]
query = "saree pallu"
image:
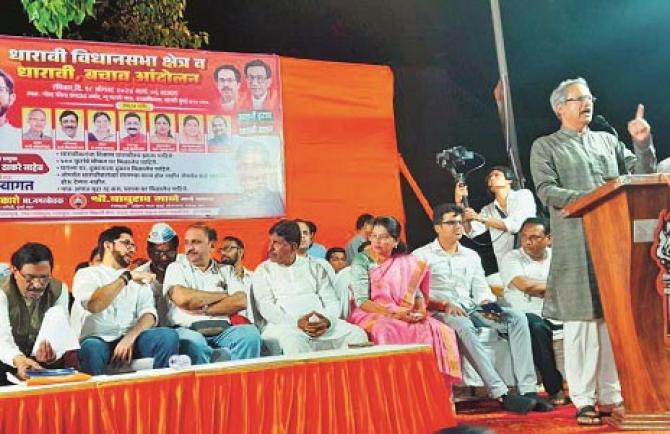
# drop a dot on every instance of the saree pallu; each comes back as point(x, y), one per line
point(394, 285)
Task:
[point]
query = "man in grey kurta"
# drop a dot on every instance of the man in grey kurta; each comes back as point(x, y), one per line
point(566, 165)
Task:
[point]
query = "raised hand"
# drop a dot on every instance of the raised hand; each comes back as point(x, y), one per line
point(639, 128)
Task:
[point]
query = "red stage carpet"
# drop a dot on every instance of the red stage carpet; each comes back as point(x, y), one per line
point(562, 420)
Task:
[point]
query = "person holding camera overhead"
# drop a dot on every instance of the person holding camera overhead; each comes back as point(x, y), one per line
point(504, 216)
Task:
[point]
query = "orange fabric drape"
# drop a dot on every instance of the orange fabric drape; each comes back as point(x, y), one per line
point(391, 392)
point(340, 155)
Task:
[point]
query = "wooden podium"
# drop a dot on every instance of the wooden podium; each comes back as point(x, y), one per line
point(620, 219)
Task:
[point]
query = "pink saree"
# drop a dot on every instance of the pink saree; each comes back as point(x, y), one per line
point(394, 285)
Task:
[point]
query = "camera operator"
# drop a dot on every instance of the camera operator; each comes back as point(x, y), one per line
point(504, 216)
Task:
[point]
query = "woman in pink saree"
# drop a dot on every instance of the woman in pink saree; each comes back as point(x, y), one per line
point(391, 289)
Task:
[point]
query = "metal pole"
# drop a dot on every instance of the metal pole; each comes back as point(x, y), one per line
point(505, 109)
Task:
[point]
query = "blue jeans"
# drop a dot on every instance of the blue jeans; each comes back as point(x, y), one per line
point(242, 341)
point(160, 343)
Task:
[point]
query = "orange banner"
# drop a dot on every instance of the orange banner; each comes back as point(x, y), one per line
point(341, 161)
point(92, 130)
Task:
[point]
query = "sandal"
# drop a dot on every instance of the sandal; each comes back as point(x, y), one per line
point(588, 415)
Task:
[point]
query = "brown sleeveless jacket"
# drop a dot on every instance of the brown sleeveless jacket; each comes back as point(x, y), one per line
point(27, 320)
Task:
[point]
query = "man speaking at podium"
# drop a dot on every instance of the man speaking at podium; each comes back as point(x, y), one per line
point(566, 165)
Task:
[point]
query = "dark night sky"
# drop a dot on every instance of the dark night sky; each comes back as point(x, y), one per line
point(443, 57)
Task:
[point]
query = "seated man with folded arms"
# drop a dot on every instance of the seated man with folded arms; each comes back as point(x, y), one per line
point(201, 303)
point(524, 273)
point(119, 315)
point(296, 298)
point(459, 297)
point(26, 294)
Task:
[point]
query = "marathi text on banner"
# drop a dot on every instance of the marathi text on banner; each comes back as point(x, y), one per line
point(93, 130)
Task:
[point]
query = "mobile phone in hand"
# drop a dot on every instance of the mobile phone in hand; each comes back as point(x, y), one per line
point(491, 308)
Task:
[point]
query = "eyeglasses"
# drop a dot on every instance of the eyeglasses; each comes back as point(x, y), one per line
point(582, 98)
point(259, 78)
point(36, 279)
point(452, 223)
point(228, 248)
point(127, 243)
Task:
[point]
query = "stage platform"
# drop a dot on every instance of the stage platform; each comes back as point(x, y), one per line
point(376, 390)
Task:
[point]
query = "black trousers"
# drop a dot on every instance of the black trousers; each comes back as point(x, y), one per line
point(3, 373)
point(542, 337)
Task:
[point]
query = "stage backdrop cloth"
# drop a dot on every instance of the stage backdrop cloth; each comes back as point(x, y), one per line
point(385, 389)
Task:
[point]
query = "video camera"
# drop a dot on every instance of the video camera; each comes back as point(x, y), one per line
point(455, 157)
point(455, 160)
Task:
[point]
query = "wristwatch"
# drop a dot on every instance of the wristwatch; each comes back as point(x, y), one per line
point(126, 276)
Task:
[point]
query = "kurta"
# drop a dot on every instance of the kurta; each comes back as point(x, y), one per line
point(566, 165)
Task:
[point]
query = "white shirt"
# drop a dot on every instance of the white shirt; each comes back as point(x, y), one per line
point(10, 138)
point(235, 284)
point(8, 347)
point(181, 272)
point(520, 206)
point(518, 264)
point(122, 314)
point(284, 293)
point(456, 277)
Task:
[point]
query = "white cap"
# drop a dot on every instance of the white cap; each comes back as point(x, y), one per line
point(161, 233)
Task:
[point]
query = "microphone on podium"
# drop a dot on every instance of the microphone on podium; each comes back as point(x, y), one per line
point(601, 124)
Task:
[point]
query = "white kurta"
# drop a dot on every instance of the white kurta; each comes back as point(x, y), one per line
point(286, 293)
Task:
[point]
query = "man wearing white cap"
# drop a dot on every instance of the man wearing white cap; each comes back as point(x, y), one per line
point(162, 246)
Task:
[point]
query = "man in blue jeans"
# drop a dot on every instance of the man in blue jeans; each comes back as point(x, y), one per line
point(200, 304)
point(119, 315)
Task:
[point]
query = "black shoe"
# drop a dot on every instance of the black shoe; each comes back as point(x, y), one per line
point(541, 404)
point(517, 403)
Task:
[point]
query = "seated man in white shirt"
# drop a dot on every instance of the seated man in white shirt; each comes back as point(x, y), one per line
point(459, 296)
point(296, 298)
point(201, 303)
point(238, 277)
point(26, 295)
point(524, 273)
point(119, 313)
point(502, 217)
